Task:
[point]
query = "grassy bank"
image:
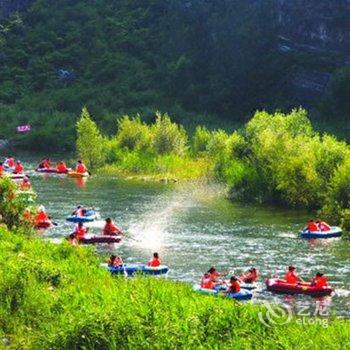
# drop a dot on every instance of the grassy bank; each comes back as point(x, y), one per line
point(57, 297)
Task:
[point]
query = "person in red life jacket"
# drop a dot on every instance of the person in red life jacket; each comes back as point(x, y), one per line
point(80, 168)
point(115, 261)
point(319, 281)
point(62, 167)
point(312, 226)
point(2, 169)
point(18, 168)
point(234, 286)
point(250, 276)
point(323, 226)
point(44, 164)
point(214, 274)
point(10, 162)
point(25, 185)
point(110, 229)
point(41, 216)
point(291, 276)
point(80, 231)
point(155, 261)
point(72, 240)
point(206, 282)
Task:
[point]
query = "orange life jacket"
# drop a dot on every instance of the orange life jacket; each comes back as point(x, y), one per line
point(111, 229)
point(25, 185)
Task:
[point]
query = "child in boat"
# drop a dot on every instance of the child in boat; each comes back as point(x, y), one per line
point(250, 276)
point(155, 261)
point(25, 185)
point(291, 276)
point(72, 240)
point(312, 226)
point(319, 281)
point(323, 226)
point(80, 230)
point(110, 229)
point(234, 286)
point(206, 282)
point(115, 261)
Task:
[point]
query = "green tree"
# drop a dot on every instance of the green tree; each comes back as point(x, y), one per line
point(89, 141)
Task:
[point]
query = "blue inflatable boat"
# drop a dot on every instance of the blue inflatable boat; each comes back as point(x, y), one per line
point(88, 217)
point(334, 232)
point(244, 294)
point(130, 270)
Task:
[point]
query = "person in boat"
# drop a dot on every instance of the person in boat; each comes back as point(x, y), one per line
point(110, 229)
point(79, 211)
point(62, 167)
point(2, 169)
point(206, 282)
point(319, 281)
point(323, 226)
point(215, 275)
point(44, 164)
point(291, 276)
point(25, 185)
point(250, 276)
point(10, 162)
point(312, 226)
point(80, 231)
point(234, 286)
point(72, 240)
point(155, 261)
point(115, 261)
point(19, 169)
point(41, 216)
point(80, 167)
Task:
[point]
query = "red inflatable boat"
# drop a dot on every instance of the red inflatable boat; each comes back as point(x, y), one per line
point(282, 287)
point(43, 225)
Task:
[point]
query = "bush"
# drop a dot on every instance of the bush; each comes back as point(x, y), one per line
point(200, 140)
point(169, 137)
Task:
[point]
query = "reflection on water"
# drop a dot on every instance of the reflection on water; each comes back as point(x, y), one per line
point(194, 227)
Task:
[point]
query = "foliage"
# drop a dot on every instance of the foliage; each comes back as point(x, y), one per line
point(89, 141)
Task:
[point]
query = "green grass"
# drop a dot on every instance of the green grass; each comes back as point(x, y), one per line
point(57, 297)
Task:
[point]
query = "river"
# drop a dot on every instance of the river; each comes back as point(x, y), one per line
point(194, 227)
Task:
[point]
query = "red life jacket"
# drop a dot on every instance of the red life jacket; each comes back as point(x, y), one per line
point(320, 282)
point(18, 169)
point(2, 170)
point(291, 277)
point(154, 262)
point(80, 168)
point(111, 229)
point(62, 168)
point(80, 231)
point(41, 217)
point(214, 275)
point(312, 226)
point(324, 226)
point(235, 287)
point(207, 283)
point(10, 162)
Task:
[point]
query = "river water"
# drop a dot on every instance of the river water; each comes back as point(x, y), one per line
point(193, 227)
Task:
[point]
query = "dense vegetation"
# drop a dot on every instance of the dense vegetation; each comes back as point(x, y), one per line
point(215, 57)
point(55, 296)
point(276, 158)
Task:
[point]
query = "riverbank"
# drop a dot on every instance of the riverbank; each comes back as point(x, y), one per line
point(67, 301)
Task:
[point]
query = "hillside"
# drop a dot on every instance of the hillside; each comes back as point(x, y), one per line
point(221, 58)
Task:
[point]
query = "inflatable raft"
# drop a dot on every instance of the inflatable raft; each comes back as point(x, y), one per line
point(77, 175)
point(50, 171)
point(93, 239)
point(334, 232)
point(282, 287)
point(17, 176)
point(43, 225)
point(89, 217)
point(130, 270)
point(244, 294)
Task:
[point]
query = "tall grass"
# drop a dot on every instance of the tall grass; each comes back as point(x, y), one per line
point(57, 297)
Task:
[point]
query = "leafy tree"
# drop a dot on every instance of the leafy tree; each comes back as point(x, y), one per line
point(89, 141)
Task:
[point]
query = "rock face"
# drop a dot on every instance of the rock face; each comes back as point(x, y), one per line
point(315, 25)
point(9, 6)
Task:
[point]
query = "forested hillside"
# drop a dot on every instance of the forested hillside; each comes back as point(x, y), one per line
point(217, 58)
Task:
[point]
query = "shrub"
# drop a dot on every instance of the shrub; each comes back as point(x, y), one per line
point(201, 139)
